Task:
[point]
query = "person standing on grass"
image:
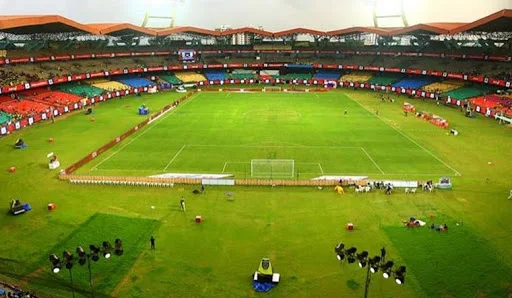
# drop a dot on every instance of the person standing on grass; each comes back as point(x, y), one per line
point(152, 240)
point(182, 204)
point(510, 195)
point(202, 188)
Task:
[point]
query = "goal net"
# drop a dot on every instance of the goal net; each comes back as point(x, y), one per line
point(272, 89)
point(272, 168)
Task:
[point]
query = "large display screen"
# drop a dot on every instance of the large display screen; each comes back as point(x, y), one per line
point(187, 55)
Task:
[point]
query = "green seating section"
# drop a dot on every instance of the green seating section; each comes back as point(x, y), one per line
point(294, 76)
point(385, 79)
point(4, 117)
point(468, 92)
point(242, 76)
point(83, 90)
point(171, 79)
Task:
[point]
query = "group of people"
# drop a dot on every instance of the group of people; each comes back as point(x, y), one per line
point(439, 228)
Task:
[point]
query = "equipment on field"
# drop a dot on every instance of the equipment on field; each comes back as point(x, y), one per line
point(272, 168)
point(444, 183)
point(16, 207)
point(143, 110)
point(264, 279)
point(272, 89)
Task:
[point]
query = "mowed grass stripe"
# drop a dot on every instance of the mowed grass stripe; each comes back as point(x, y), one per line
point(262, 126)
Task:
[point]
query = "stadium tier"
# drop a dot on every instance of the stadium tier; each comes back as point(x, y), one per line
point(55, 98)
point(293, 76)
point(23, 107)
point(327, 75)
point(5, 117)
point(170, 79)
point(243, 76)
point(444, 86)
point(470, 91)
point(414, 82)
point(384, 79)
point(135, 82)
point(215, 75)
point(190, 77)
point(356, 77)
point(107, 85)
point(83, 90)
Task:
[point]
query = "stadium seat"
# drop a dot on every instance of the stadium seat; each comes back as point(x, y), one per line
point(384, 79)
point(171, 79)
point(215, 75)
point(414, 82)
point(82, 90)
point(135, 82)
point(356, 77)
point(470, 91)
point(444, 86)
point(190, 77)
point(109, 85)
point(327, 75)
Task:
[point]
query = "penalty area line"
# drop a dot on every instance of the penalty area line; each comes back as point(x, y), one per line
point(175, 156)
point(161, 118)
point(409, 138)
point(376, 165)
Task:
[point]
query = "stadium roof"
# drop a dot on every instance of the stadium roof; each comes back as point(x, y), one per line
point(429, 28)
point(298, 31)
point(30, 24)
point(120, 29)
point(359, 30)
point(500, 21)
point(248, 30)
point(189, 30)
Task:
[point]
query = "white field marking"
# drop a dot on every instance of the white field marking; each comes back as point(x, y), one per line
point(271, 146)
point(321, 169)
point(172, 160)
point(225, 165)
point(275, 114)
point(141, 134)
point(407, 137)
point(376, 165)
point(316, 95)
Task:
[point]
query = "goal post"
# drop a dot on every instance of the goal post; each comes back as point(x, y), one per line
point(272, 168)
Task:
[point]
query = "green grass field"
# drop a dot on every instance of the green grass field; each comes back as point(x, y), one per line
point(296, 227)
point(222, 133)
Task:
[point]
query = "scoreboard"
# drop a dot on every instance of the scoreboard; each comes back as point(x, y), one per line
point(187, 55)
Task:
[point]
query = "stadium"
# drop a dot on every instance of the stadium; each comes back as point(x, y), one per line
point(156, 159)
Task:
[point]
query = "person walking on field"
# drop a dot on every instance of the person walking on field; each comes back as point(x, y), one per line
point(182, 204)
point(510, 195)
point(152, 240)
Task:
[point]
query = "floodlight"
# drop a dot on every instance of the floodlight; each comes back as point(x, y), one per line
point(400, 275)
point(118, 247)
point(81, 255)
point(106, 249)
point(362, 257)
point(374, 264)
point(55, 263)
point(68, 259)
point(94, 252)
point(387, 269)
point(339, 248)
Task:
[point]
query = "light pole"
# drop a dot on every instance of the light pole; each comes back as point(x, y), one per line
point(373, 264)
point(84, 257)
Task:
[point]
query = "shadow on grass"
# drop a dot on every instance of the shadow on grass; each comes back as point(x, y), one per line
point(107, 273)
point(454, 263)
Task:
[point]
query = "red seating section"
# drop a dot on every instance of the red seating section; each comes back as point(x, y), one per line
point(55, 98)
point(23, 107)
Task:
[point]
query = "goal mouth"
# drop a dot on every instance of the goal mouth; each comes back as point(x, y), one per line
point(272, 168)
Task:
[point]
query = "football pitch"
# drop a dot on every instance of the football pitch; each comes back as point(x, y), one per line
point(296, 227)
point(315, 134)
